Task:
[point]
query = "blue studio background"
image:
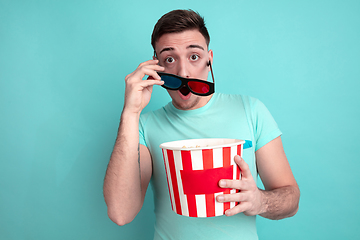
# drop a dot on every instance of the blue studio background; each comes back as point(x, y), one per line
point(62, 70)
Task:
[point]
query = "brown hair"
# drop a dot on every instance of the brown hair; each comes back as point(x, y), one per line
point(178, 21)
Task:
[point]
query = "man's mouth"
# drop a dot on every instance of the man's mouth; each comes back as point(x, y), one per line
point(184, 91)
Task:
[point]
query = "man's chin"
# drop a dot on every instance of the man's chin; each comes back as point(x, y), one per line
point(186, 104)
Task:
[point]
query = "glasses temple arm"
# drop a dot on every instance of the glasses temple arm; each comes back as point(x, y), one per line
point(212, 74)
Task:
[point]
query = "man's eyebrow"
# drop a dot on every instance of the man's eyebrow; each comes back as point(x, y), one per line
point(195, 46)
point(190, 46)
point(166, 49)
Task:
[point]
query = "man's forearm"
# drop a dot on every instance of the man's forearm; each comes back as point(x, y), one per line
point(280, 203)
point(122, 184)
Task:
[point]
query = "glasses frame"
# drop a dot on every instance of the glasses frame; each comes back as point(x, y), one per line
point(185, 81)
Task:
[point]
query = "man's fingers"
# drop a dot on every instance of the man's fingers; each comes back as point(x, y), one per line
point(235, 184)
point(248, 197)
point(149, 62)
point(148, 83)
point(241, 207)
point(244, 167)
point(149, 68)
point(234, 197)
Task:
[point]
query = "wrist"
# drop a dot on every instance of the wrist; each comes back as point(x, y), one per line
point(130, 114)
point(129, 122)
point(264, 202)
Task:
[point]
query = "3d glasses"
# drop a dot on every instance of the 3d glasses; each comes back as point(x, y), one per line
point(196, 86)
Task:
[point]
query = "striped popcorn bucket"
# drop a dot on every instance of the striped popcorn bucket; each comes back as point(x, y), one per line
point(194, 168)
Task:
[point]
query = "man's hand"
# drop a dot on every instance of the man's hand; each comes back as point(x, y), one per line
point(138, 91)
point(279, 200)
point(249, 196)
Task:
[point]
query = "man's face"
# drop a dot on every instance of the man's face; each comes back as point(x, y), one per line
point(185, 54)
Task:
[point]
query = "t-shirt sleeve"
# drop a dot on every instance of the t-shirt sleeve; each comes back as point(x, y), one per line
point(141, 131)
point(265, 127)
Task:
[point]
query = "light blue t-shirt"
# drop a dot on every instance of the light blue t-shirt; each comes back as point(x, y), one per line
point(224, 116)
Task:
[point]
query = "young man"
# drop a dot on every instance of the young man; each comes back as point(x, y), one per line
point(180, 41)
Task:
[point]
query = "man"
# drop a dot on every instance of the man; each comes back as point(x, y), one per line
point(180, 41)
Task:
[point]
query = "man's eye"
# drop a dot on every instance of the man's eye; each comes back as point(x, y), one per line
point(169, 60)
point(194, 57)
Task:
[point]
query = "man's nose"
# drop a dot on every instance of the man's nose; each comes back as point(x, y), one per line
point(183, 69)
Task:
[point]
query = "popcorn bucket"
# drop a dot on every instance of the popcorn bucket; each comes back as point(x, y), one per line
point(194, 168)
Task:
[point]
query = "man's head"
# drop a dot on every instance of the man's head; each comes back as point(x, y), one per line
point(178, 21)
point(180, 40)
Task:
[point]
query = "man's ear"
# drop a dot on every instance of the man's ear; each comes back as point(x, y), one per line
point(211, 56)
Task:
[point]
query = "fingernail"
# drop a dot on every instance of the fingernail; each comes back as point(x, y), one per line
point(222, 183)
point(220, 198)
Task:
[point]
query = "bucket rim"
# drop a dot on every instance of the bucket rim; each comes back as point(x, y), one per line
point(180, 145)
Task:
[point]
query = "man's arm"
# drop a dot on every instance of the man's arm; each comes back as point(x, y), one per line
point(129, 169)
point(128, 173)
point(280, 199)
point(281, 196)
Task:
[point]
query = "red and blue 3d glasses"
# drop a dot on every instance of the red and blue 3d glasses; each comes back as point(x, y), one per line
point(196, 86)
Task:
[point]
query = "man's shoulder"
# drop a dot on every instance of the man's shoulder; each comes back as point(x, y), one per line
point(237, 97)
point(144, 116)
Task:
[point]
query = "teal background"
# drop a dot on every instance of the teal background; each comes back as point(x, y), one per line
point(62, 70)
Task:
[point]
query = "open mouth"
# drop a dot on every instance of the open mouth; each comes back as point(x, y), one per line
point(184, 91)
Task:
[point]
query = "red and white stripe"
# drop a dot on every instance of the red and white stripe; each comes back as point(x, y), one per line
point(199, 205)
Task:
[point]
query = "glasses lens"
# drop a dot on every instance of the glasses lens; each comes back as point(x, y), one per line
point(199, 87)
point(171, 82)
